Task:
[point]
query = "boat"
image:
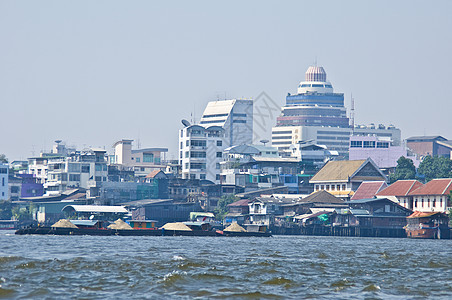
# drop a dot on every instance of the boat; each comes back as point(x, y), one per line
point(427, 225)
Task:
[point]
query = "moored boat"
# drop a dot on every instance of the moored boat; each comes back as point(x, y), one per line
point(427, 225)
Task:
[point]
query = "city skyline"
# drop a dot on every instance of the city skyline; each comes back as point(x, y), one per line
point(95, 76)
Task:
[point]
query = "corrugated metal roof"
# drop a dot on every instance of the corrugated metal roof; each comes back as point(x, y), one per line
point(98, 208)
point(368, 189)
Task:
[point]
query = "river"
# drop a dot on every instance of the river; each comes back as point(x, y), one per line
point(280, 267)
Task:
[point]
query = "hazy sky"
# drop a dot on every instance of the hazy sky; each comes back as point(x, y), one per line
point(93, 72)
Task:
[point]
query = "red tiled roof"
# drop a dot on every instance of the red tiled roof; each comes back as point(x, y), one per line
point(441, 186)
point(368, 189)
point(400, 188)
point(243, 202)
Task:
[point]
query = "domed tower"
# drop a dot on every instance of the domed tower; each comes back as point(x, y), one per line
point(315, 81)
point(315, 74)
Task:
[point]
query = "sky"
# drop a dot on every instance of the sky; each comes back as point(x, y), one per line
point(93, 72)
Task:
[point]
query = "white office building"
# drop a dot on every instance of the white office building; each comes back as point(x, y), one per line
point(317, 114)
point(224, 123)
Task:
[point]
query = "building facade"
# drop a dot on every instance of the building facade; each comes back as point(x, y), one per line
point(382, 151)
point(223, 124)
point(4, 171)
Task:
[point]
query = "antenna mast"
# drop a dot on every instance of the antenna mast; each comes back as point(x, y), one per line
point(352, 114)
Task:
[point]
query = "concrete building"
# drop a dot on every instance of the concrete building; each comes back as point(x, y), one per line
point(234, 116)
point(85, 169)
point(140, 161)
point(223, 124)
point(381, 150)
point(430, 197)
point(423, 146)
point(4, 171)
point(318, 114)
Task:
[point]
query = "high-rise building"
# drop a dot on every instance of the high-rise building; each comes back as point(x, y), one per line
point(317, 114)
point(224, 123)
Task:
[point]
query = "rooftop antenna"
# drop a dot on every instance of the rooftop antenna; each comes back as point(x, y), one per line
point(352, 113)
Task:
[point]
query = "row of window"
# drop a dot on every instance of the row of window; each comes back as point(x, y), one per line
point(315, 85)
point(427, 203)
point(368, 144)
point(331, 187)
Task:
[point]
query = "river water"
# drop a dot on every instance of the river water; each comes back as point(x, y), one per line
point(286, 267)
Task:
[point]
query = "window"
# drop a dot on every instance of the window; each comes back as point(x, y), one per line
point(343, 187)
point(198, 154)
point(180, 154)
point(202, 176)
point(356, 144)
point(85, 169)
point(219, 154)
point(3, 181)
point(219, 143)
point(217, 177)
point(187, 143)
point(382, 145)
point(198, 143)
point(138, 159)
point(148, 157)
point(98, 178)
point(187, 154)
point(200, 166)
point(217, 166)
point(74, 177)
point(192, 176)
point(369, 144)
point(98, 167)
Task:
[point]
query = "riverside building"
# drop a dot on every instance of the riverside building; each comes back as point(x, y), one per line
point(223, 124)
point(317, 114)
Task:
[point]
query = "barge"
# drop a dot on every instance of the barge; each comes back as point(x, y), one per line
point(427, 225)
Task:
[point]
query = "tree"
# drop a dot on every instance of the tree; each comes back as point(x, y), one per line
point(222, 206)
point(435, 167)
point(5, 210)
point(405, 170)
point(3, 158)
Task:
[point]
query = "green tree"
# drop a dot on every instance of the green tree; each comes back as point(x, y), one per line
point(435, 167)
point(23, 213)
point(405, 170)
point(3, 158)
point(222, 206)
point(5, 210)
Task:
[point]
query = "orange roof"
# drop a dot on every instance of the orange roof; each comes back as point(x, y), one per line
point(418, 214)
point(400, 188)
point(153, 173)
point(440, 186)
point(368, 189)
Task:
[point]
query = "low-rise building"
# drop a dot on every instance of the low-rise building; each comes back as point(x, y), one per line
point(342, 178)
point(432, 196)
point(399, 192)
point(369, 189)
point(86, 169)
point(381, 150)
